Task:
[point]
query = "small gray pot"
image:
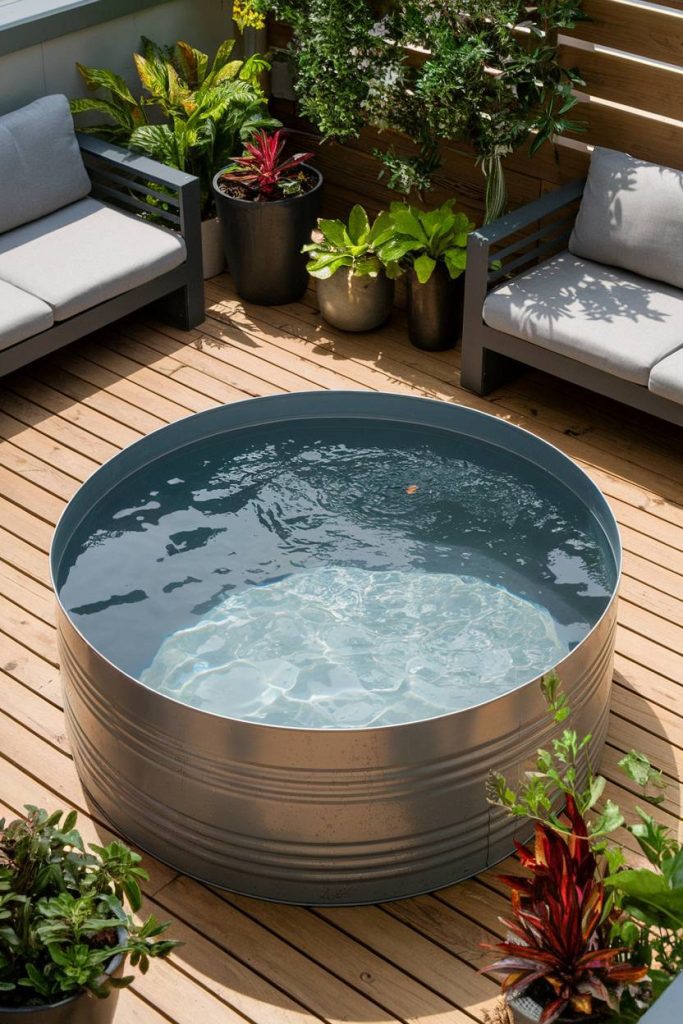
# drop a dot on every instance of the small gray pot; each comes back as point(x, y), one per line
point(354, 303)
point(82, 1008)
point(526, 1010)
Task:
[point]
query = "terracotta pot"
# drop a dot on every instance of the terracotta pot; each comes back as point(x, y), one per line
point(213, 255)
point(83, 1008)
point(354, 303)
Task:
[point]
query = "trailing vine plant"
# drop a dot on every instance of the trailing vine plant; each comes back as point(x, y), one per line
point(484, 72)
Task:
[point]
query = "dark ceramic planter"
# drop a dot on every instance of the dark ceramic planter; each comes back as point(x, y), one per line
point(354, 303)
point(435, 310)
point(79, 1009)
point(263, 243)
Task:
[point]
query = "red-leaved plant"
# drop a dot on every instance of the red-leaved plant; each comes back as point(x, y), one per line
point(262, 170)
point(556, 935)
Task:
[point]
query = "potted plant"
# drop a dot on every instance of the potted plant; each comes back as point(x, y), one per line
point(64, 932)
point(193, 116)
point(433, 246)
point(641, 908)
point(268, 204)
point(559, 962)
point(355, 285)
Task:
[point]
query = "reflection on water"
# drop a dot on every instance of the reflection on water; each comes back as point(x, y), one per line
point(196, 530)
point(341, 647)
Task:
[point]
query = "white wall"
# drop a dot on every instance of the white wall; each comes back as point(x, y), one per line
point(50, 67)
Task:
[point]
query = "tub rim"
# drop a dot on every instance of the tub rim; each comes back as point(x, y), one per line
point(599, 509)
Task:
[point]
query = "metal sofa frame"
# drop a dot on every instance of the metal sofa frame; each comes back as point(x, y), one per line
point(490, 357)
point(124, 179)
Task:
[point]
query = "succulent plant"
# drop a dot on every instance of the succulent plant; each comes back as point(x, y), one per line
point(62, 916)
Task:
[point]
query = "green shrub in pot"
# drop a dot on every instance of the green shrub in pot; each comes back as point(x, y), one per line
point(64, 930)
point(355, 282)
point(643, 913)
point(194, 114)
point(432, 244)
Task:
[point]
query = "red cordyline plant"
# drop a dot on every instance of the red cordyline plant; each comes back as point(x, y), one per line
point(556, 934)
point(261, 168)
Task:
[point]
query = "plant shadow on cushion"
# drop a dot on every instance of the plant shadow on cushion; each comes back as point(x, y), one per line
point(610, 319)
point(631, 216)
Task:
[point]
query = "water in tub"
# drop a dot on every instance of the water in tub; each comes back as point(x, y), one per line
point(337, 575)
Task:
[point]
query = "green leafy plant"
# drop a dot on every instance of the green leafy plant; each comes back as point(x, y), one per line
point(62, 911)
point(356, 244)
point(484, 72)
point(421, 239)
point(193, 115)
point(562, 771)
point(651, 897)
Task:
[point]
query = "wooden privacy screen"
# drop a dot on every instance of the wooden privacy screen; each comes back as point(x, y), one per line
point(631, 56)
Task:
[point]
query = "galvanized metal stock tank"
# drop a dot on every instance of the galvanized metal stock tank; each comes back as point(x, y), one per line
point(304, 816)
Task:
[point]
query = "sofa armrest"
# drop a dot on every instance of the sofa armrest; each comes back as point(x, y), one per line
point(130, 181)
point(549, 203)
point(517, 254)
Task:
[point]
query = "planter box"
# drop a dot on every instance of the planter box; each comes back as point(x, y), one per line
point(213, 254)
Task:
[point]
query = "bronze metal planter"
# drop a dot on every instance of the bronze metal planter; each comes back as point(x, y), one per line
point(354, 303)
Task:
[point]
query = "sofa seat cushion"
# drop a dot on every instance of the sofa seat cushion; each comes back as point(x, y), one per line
point(84, 254)
point(41, 168)
point(610, 319)
point(631, 216)
point(21, 315)
point(666, 378)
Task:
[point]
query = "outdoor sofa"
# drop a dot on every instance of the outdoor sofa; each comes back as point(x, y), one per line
point(594, 297)
point(80, 244)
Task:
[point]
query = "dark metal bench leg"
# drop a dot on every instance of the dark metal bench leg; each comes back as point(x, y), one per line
point(184, 308)
point(483, 370)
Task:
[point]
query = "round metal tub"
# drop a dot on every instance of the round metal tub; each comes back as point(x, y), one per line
point(318, 816)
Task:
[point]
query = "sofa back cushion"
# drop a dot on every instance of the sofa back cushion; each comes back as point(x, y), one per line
point(41, 168)
point(631, 216)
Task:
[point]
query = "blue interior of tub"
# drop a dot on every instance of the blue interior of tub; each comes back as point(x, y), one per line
point(337, 573)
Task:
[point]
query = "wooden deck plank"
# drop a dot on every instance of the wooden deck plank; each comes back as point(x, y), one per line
point(364, 964)
point(416, 960)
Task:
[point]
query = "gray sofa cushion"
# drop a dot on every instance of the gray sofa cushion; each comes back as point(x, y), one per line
point(85, 254)
point(606, 318)
point(21, 315)
point(631, 216)
point(666, 378)
point(41, 167)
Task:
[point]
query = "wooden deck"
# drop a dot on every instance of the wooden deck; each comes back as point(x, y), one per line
point(414, 961)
